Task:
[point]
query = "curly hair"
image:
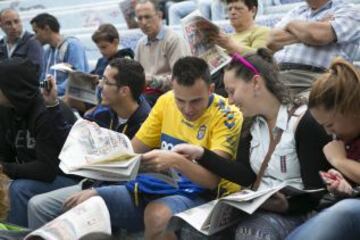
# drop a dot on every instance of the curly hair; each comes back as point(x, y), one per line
point(4, 198)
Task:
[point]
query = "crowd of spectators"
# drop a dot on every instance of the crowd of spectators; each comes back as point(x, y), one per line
point(289, 113)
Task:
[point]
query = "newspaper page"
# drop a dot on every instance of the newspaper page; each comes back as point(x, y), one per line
point(219, 214)
point(81, 86)
point(98, 153)
point(197, 31)
point(88, 217)
point(102, 154)
point(128, 10)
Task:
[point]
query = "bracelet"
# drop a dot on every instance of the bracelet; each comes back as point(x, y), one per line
point(57, 102)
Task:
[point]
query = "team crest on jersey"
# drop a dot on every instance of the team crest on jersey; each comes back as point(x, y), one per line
point(201, 133)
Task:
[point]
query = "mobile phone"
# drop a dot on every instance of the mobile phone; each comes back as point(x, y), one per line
point(45, 84)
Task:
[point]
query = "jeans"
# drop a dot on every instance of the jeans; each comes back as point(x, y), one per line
point(340, 221)
point(264, 225)
point(45, 207)
point(179, 10)
point(21, 190)
point(211, 9)
point(125, 214)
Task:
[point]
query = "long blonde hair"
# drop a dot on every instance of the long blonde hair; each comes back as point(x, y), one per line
point(338, 89)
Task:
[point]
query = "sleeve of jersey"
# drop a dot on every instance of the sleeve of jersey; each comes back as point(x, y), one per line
point(226, 131)
point(150, 131)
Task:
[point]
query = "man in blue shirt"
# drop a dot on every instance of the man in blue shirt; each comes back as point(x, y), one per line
point(61, 50)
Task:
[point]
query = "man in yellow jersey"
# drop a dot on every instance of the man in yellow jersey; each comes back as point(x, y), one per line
point(190, 113)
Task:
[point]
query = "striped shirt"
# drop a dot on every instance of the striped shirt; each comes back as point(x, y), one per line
point(345, 24)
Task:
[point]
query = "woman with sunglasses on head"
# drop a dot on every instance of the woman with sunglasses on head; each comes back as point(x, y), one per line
point(277, 122)
point(334, 102)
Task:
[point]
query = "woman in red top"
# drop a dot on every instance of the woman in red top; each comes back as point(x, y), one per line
point(335, 103)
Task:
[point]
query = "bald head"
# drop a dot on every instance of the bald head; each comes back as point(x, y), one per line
point(11, 24)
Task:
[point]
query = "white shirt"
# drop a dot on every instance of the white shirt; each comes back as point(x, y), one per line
point(284, 163)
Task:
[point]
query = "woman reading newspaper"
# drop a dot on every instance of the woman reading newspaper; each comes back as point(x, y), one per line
point(281, 143)
point(334, 101)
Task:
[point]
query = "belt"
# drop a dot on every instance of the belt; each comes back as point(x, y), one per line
point(292, 66)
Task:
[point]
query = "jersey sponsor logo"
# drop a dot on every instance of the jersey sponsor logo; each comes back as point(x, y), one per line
point(168, 142)
point(201, 132)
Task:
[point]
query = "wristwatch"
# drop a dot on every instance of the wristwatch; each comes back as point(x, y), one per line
point(355, 191)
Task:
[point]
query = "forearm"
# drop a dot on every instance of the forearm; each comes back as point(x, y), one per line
point(231, 170)
point(279, 39)
point(349, 168)
point(196, 173)
point(312, 33)
point(35, 170)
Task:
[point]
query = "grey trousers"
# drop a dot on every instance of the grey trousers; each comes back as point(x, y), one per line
point(299, 81)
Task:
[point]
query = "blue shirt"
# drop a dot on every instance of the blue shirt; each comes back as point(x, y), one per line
point(69, 51)
point(346, 26)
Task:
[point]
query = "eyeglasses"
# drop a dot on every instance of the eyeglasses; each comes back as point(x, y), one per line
point(145, 17)
point(236, 57)
point(107, 82)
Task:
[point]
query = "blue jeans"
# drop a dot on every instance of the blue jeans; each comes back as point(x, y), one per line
point(340, 221)
point(21, 190)
point(179, 10)
point(125, 214)
point(265, 225)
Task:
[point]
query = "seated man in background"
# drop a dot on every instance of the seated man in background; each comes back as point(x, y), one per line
point(31, 137)
point(61, 50)
point(158, 50)
point(123, 82)
point(307, 38)
point(190, 113)
point(17, 42)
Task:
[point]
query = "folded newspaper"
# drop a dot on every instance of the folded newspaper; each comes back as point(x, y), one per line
point(81, 86)
point(198, 31)
point(102, 154)
point(88, 217)
point(219, 214)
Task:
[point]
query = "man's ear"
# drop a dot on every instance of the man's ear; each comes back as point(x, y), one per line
point(160, 13)
point(211, 88)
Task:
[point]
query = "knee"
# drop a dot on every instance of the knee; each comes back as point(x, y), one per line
point(156, 216)
point(35, 204)
point(345, 209)
point(19, 187)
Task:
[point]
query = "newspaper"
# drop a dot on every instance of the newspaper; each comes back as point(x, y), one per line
point(88, 217)
point(128, 11)
point(219, 214)
point(102, 154)
point(81, 86)
point(197, 31)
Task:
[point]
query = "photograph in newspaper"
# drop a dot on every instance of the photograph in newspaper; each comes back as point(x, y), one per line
point(81, 86)
point(219, 214)
point(88, 217)
point(198, 32)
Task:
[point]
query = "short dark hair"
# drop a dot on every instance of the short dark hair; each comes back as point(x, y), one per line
point(249, 3)
point(131, 74)
point(44, 19)
point(187, 70)
point(105, 32)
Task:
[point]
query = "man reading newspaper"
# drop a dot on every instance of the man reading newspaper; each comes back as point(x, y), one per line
point(123, 82)
point(190, 113)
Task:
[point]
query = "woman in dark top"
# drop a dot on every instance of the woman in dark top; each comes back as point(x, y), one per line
point(252, 84)
point(335, 104)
